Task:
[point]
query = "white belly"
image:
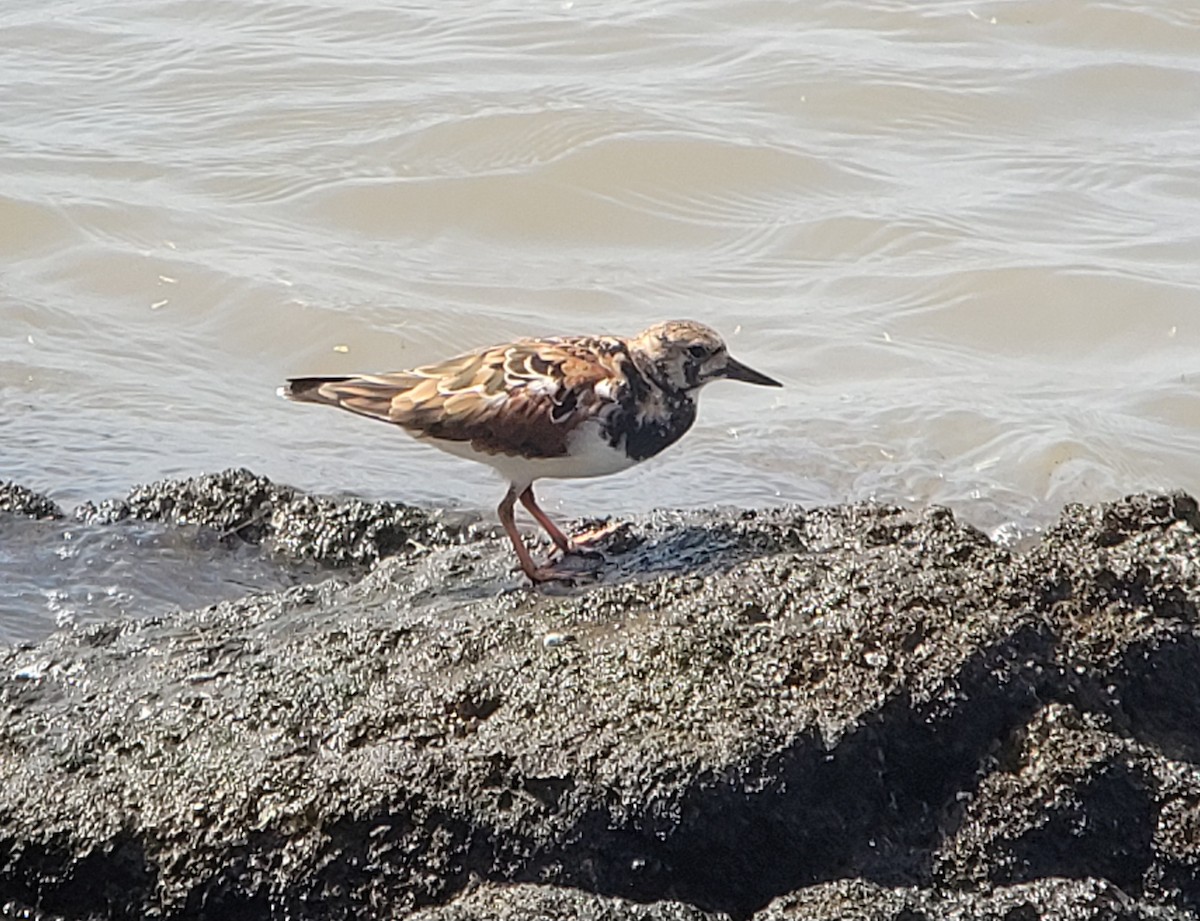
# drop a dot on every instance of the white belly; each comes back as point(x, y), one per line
point(589, 454)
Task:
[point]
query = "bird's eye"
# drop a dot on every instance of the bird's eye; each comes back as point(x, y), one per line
point(697, 351)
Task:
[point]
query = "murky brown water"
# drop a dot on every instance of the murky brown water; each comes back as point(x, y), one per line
point(966, 236)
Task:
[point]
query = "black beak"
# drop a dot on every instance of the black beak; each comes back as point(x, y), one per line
point(736, 371)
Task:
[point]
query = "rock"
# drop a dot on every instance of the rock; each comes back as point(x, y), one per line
point(20, 500)
point(526, 902)
point(750, 706)
point(238, 504)
point(1051, 897)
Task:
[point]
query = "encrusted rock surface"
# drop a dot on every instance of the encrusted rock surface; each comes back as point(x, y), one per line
point(21, 500)
point(238, 504)
point(854, 712)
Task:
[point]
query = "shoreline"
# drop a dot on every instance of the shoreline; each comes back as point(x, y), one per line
point(751, 714)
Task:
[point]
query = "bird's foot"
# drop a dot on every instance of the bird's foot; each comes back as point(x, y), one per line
point(574, 568)
point(551, 574)
point(587, 543)
point(585, 553)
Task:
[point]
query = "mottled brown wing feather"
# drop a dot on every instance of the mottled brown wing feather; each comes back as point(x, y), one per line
point(523, 398)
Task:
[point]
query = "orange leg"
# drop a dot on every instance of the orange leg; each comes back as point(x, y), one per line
point(535, 573)
point(577, 544)
point(561, 541)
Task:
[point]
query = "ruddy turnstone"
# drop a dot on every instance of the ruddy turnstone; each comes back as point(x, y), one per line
point(576, 406)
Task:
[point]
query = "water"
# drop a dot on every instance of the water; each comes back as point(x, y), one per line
point(966, 237)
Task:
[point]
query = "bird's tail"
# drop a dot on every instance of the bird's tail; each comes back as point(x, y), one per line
point(308, 390)
point(371, 395)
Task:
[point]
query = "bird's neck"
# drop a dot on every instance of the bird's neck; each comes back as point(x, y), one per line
point(656, 374)
point(653, 417)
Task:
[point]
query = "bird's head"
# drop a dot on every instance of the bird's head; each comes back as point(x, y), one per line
point(687, 355)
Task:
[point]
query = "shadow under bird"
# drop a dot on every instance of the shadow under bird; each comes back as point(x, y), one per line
point(575, 406)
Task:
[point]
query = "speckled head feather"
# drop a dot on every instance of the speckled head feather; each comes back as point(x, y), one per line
point(686, 355)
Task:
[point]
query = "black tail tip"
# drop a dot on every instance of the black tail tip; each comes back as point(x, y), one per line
point(305, 388)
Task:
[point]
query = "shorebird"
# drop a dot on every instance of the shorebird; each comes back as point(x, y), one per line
point(559, 408)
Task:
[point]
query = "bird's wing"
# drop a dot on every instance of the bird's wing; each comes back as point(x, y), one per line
point(521, 398)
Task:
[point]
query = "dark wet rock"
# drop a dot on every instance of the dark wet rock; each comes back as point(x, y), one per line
point(233, 502)
point(742, 709)
point(1054, 898)
point(1077, 800)
point(20, 500)
point(239, 504)
point(353, 532)
point(532, 903)
point(1051, 898)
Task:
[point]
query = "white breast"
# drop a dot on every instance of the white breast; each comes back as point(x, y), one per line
point(589, 454)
